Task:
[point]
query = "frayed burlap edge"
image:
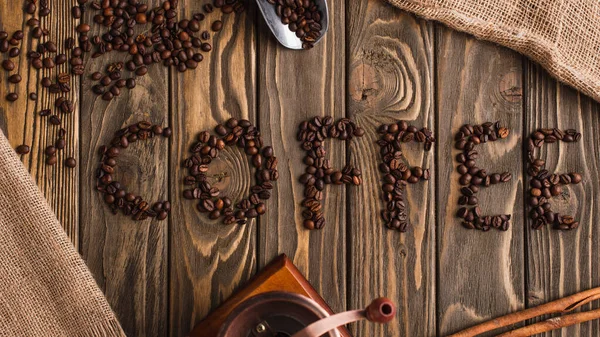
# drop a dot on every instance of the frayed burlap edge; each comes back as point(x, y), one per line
point(45, 286)
point(537, 49)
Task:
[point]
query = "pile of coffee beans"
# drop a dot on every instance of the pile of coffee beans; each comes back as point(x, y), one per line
point(472, 177)
point(247, 137)
point(116, 195)
point(303, 17)
point(167, 41)
point(544, 185)
point(318, 171)
point(396, 172)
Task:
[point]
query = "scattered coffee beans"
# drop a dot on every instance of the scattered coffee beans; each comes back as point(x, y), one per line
point(318, 171)
point(116, 195)
point(544, 185)
point(472, 177)
point(167, 41)
point(247, 137)
point(396, 172)
point(303, 17)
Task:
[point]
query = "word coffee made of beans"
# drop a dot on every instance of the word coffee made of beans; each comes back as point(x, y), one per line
point(318, 172)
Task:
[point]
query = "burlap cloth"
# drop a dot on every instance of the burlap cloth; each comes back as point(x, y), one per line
point(562, 35)
point(45, 287)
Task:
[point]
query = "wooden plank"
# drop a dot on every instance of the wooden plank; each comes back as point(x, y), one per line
point(481, 274)
point(391, 79)
point(295, 86)
point(128, 258)
point(17, 118)
point(209, 260)
point(563, 263)
point(21, 123)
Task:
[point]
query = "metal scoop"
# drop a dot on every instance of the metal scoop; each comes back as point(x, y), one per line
point(282, 32)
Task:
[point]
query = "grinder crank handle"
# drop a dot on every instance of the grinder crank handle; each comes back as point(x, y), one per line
point(381, 310)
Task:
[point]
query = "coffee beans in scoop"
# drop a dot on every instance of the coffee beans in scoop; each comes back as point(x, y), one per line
point(303, 17)
point(312, 135)
point(544, 185)
point(116, 196)
point(396, 172)
point(246, 136)
point(472, 178)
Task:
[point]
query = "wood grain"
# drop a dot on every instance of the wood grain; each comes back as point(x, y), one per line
point(295, 86)
point(563, 263)
point(481, 274)
point(22, 125)
point(376, 65)
point(390, 78)
point(209, 260)
point(128, 258)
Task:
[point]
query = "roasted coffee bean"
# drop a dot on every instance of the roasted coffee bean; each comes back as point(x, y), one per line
point(206, 47)
point(11, 97)
point(8, 65)
point(60, 144)
point(16, 78)
point(51, 160)
point(22, 149)
point(70, 162)
point(14, 52)
point(217, 26)
point(50, 151)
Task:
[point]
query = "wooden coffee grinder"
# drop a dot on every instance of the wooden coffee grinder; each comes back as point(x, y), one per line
point(279, 302)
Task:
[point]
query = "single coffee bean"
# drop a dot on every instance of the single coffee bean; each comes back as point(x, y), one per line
point(30, 8)
point(14, 52)
point(22, 149)
point(70, 162)
point(8, 65)
point(50, 151)
point(206, 47)
point(51, 160)
point(96, 76)
point(11, 97)
point(60, 144)
point(16, 78)
point(130, 83)
point(217, 26)
point(48, 62)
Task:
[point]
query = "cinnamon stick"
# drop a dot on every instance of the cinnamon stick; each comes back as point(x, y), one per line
point(553, 323)
point(559, 306)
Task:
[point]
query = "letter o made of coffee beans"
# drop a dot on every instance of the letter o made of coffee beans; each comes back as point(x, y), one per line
point(116, 195)
point(207, 147)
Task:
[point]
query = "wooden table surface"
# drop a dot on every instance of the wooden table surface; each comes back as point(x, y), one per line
point(376, 65)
